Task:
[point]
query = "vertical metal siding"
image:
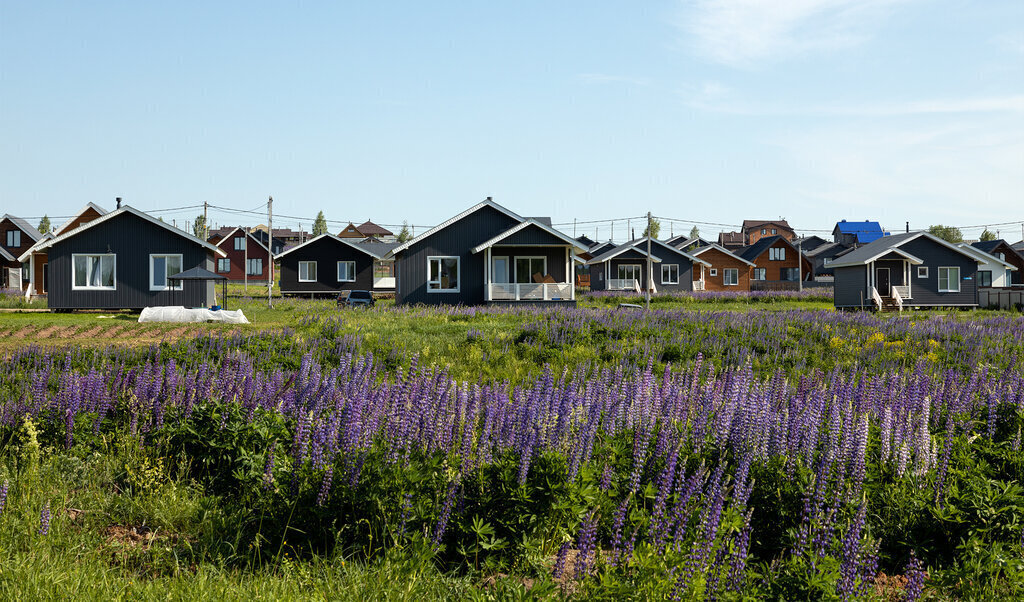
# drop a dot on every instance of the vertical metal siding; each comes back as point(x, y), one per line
point(925, 291)
point(851, 287)
point(326, 252)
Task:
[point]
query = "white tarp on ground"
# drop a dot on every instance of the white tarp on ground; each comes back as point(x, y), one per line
point(184, 314)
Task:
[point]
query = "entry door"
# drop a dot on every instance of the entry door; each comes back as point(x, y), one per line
point(882, 281)
point(46, 277)
point(499, 270)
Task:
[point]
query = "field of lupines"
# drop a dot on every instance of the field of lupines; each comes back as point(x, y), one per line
point(684, 455)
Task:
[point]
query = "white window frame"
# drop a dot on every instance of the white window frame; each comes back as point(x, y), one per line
point(93, 288)
point(713, 272)
point(949, 270)
point(221, 266)
point(248, 266)
point(529, 277)
point(168, 286)
point(240, 243)
point(13, 234)
point(307, 264)
point(672, 279)
point(352, 271)
point(763, 272)
point(458, 274)
point(922, 271)
point(777, 254)
point(736, 276)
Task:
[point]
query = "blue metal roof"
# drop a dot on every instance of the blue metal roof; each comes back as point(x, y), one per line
point(865, 231)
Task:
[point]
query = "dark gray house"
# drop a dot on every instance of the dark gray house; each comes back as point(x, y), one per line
point(625, 268)
point(913, 269)
point(822, 257)
point(327, 264)
point(122, 260)
point(486, 254)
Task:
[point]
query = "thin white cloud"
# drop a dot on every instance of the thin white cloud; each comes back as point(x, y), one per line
point(744, 32)
point(604, 78)
point(716, 100)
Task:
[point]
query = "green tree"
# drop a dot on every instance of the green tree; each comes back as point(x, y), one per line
point(655, 229)
point(694, 232)
point(987, 235)
point(44, 225)
point(199, 228)
point(319, 224)
point(404, 234)
point(946, 233)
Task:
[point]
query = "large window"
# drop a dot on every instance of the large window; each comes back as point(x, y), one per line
point(160, 267)
point(239, 243)
point(790, 274)
point(224, 264)
point(254, 267)
point(629, 272)
point(14, 238)
point(526, 267)
point(949, 280)
point(730, 276)
point(984, 278)
point(777, 254)
point(670, 273)
point(346, 271)
point(760, 274)
point(307, 271)
point(442, 274)
point(94, 271)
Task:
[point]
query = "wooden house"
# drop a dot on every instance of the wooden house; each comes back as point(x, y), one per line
point(328, 264)
point(16, 237)
point(246, 258)
point(37, 259)
point(777, 264)
point(486, 254)
point(122, 260)
point(754, 230)
point(725, 271)
point(912, 269)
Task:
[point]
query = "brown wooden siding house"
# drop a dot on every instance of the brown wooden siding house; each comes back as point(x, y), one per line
point(246, 258)
point(778, 265)
point(16, 237)
point(38, 259)
point(124, 260)
point(756, 229)
point(726, 271)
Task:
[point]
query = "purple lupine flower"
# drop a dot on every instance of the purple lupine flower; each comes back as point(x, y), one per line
point(563, 553)
point(445, 514)
point(3, 495)
point(916, 575)
point(44, 520)
point(586, 545)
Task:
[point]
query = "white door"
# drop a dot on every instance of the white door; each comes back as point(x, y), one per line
point(499, 270)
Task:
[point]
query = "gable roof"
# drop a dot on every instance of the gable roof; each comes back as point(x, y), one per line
point(754, 251)
point(7, 256)
point(722, 250)
point(726, 238)
point(886, 244)
point(371, 229)
point(681, 242)
point(64, 227)
point(488, 202)
point(642, 242)
point(985, 257)
point(865, 231)
point(828, 247)
point(990, 245)
point(619, 250)
point(757, 223)
point(523, 225)
point(137, 213)
point(377, 250)
point(236, 229)
point(23, 226)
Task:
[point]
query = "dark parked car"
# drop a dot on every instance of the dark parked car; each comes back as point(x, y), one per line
point(355, 298)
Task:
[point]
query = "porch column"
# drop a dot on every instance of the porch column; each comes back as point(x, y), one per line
point(487, 274)
point(31, 290)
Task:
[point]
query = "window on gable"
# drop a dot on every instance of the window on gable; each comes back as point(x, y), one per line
point(160, 268)
point(93, 271)
point(764, 231)
point(239, 243)
point(307, 271)
point(777, 254)
point(774, 231)
point(14, 238)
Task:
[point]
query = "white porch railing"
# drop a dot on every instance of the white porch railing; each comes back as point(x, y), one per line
point(876, 297)
point(384, 282)
point(531, 291)
point(897, 298)
point(902, 291)
point(698, 285)
point(623, 284)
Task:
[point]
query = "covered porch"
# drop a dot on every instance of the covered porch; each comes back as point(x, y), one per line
point(530, 262)
point(889, 279)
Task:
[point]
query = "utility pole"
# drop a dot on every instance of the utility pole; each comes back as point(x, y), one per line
point(800, 265)
point(574, 227)
point(270, 245)
point(206, 220)
point(245, 262)
point(650, 277)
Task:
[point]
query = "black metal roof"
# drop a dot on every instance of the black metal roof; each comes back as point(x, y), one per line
point(197, 273)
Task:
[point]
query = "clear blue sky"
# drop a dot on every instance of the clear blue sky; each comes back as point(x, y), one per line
point(815, 110)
